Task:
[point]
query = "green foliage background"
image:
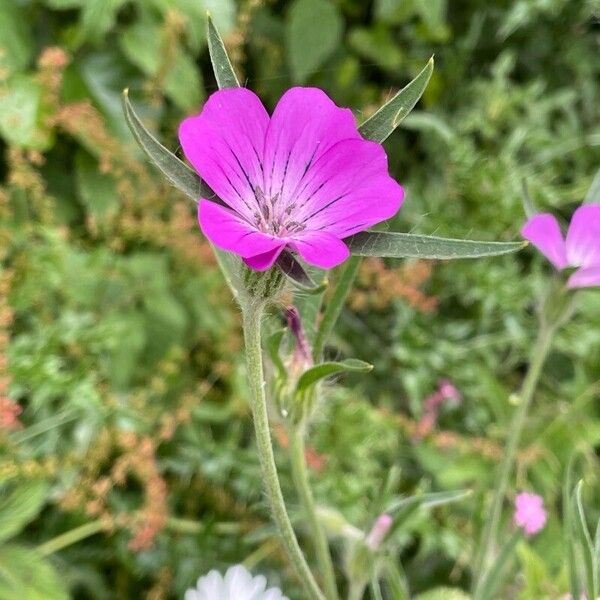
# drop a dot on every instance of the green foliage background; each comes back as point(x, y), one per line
point(122, 346)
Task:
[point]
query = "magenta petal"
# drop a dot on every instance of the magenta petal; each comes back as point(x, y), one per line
point(304, 125)
point(585, 277)
point(225, 144)
point(583, 237)
point(320, 249)
point(348, 189)
point(543, 231)
point(228, 231)
point(262, 262)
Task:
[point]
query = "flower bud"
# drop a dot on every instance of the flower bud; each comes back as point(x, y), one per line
point(378, 532)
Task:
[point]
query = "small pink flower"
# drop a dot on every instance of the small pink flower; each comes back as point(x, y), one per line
point(449, 391)
point(302, 179)
point(9, 414)
point(379, 530)
point(580, 250)
point(529, 513)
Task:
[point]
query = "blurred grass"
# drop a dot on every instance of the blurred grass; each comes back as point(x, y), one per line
point(120, 342)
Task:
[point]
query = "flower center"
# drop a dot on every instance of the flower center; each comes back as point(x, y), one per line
point(274, 218)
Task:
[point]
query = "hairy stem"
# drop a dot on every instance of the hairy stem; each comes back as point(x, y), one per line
point(252, 319)
point(300, 475)
point(490, 533)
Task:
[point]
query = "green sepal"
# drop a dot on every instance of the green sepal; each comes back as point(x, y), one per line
point(292, 268)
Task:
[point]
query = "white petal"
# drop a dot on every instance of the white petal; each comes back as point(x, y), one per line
point(211, 586)
point(238, 584)
point(274, 594)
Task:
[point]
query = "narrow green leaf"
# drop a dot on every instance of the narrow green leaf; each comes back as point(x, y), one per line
point(335, 305)
point(326, 369)
point(273, 344)
point(380, 125)
point(593, 194)
point(175, 170)
point(408, 245)
point(429, 500)
point(222, 67)
point(568, 529)
point(491, 581)
point(597, 548)
point(55, 421)
point(376, 587)
point(396, 579)
point(585, 542)
point(528, 204)
point(20, 505)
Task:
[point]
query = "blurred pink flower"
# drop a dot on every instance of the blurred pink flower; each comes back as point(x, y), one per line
point(304, 178)
point(580, 250)
point(448, 390)
point(432, 404)
point(9, 414)
point(529, 513)
point(379, 530)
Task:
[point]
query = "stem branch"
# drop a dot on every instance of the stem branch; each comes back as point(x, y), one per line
point(300, 475)
point(490, 533)
point(70, 537)
point(252, 318)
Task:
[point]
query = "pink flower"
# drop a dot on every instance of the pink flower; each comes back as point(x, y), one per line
point(581, 248)
point(380, 529)
point(9, 414)
point(303, 179)
point(529, 513)
point(449, 391)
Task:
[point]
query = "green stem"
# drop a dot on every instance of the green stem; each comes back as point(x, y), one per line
point(488, 585)
point(335, 305)
point(300, 475)
point(252, 318)
point(356, 591)
point(490, 533)
point(70, 537)
point(188, 526)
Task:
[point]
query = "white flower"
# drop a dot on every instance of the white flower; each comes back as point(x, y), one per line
point(238, 584)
